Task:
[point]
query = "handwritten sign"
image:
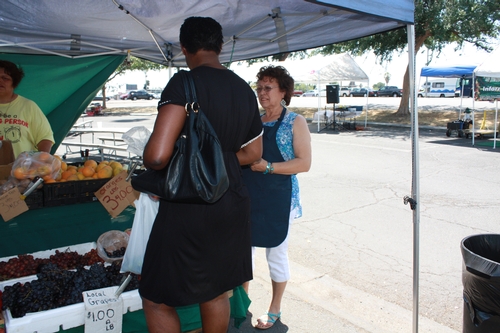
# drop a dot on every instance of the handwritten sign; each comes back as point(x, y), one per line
point(11, 204)
point(103, 311)
point(117, 194)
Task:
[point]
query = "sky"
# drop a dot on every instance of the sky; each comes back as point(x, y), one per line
point(469, 55)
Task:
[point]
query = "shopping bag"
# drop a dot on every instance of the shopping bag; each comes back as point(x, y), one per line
point(145, 214)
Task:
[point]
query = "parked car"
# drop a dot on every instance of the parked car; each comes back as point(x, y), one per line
point(99, 98)
point(344, 91)
point(389, 91)
point(297, 93)
point(124, 96)
point(139, 94)
point(361, 92)
point(310, 93)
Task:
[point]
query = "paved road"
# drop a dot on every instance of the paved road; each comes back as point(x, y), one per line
point(372, 102)
point(351, 252)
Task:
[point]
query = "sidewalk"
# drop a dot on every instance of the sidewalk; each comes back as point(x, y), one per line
point(315, 303)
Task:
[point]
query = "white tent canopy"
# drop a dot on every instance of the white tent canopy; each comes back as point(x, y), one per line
point(489, 68)
point(342, 67)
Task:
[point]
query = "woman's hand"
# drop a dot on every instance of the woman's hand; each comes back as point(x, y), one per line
point(259, 166)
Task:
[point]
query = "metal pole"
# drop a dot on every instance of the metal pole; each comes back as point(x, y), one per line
point(495, 126)
point(415, 174)
point(473, 106)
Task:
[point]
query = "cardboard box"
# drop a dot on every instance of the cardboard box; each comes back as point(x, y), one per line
point(6, 159)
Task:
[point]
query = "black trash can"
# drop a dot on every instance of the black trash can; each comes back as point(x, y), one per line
point(481, 282)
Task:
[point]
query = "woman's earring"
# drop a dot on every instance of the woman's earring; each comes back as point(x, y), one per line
point(283, 103)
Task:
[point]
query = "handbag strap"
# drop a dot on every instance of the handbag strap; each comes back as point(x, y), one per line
point(190, 90)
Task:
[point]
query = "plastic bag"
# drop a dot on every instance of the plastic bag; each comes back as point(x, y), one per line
point(145, 214)
point(136, 138)
point(29, 165)
point(32, 164)
point(112, 244)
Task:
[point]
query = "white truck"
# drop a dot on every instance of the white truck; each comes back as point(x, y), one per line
point(442, 87)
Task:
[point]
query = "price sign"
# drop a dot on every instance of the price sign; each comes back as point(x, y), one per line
point(117, 194)
point(11, 204)
point(103, 311)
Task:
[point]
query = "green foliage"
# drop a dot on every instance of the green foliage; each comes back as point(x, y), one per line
point(387, 77)
point(299, 55)
point(304, 86)
point(136, 64)
point(437, 23)
point(378, 85)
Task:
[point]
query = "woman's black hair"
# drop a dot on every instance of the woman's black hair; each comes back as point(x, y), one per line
point(201, 33)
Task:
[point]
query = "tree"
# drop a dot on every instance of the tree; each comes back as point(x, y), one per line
point(437, 23)
point(387, 78)
point(131, 64)
point(378, 85)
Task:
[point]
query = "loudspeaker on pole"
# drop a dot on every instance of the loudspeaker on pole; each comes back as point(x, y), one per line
point(332, 94)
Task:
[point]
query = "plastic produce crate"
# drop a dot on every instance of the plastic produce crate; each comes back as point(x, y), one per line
point(35, 199)
point(72, 192)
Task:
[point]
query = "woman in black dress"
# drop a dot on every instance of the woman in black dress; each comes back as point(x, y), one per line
point(198, 252)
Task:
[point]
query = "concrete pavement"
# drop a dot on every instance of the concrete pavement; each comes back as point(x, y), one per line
point(351, 252)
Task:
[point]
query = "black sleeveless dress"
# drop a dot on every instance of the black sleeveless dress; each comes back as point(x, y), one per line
point(198, 251)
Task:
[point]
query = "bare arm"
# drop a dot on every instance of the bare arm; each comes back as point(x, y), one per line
point(44, 145)
point(251, 152)
point(302, 150)
point(168, 126)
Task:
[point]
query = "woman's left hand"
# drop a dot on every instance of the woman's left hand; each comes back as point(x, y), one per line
point(259, 166)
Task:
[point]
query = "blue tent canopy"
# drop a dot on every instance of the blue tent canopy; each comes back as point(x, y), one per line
point(150, 29)
point(448, 71)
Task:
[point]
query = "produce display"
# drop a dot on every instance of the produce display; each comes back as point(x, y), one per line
point(90, 169)
point(26, 264)
point(60, 280)
point(53, 169)
point(56, 287)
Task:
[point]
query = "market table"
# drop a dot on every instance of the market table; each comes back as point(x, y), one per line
point(54, 227)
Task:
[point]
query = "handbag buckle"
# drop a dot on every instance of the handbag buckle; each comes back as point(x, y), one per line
point(192, 106)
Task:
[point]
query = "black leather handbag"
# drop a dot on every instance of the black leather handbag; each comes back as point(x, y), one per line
point(196, 172)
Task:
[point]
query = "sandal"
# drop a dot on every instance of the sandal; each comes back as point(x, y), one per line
point(272, 318)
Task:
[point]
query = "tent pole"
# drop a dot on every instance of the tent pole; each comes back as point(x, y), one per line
point(461, 97)
point(415, 173)
point(473, 113)
point(367, 93)
point(495, 126)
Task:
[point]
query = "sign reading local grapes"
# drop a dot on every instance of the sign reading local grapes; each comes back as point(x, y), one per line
point(103, 311)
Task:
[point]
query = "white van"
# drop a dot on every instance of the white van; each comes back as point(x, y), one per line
point(444, 87)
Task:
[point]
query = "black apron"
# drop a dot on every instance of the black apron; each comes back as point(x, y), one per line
point(271, 195)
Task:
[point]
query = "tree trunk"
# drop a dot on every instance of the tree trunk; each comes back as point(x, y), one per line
point(404, 105)
point(104, 96)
